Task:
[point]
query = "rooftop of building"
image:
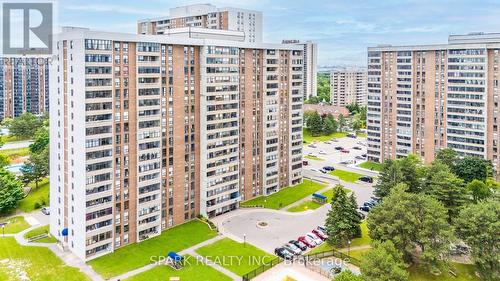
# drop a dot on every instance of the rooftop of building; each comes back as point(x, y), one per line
point(327, 109)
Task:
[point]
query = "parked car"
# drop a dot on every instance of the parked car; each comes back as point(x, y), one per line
point(46, 211)
point(322, 152)
point(314, 170)
point(292, 248)
point(314, 237)
point(364, 208)
point(328, 168)
point(357, 148)
point(307, 241)
point(312, 145)
point(366, 179)
point(364, 155)
point(334, 140)
point(344, 150)
point(283, 253)
point(323, 171)
point(320, 234)
point(298, 244)
point(368, 204)
point(305, 162)
point(339, 148)
point(322, 228)
point(328, 142)
point(353, 136)
point(312, 154)
point(361, 215)
point(359, 157)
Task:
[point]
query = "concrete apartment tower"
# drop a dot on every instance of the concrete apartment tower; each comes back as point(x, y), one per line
point(348, 86)
point(424, 98)
point(310, 70)
point(24, 86)
point(147, 132)
point(207, 16)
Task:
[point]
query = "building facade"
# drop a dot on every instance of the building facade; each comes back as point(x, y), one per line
point(24, 86)
point(207, 16)
point(150, 131)
point(424, 98)
point(347, 87)
point(310, 70)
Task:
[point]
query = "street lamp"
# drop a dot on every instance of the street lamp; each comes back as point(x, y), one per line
point(3, 228)
point(349, 248)
point(244, 240)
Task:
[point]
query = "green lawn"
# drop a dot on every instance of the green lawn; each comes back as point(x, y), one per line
point(138, 255)
point(364, 240)
point(314, 158)
point(38, 231)
point(308, 138)
point(362, 135)
point(286, 196)
point(226, 250)
point(312, 205)
point(464, 272)
point(15, 225)
point(8, 138)
point(371, 166)
point(39, 196)
point(346, 175)
point(15, 152)
point(36, 263)
point(192, 270)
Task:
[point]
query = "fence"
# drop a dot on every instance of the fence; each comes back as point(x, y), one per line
point(334, 253)
point(252, 274)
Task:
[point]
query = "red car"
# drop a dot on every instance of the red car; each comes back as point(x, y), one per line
point(305, 162)
point(344, 150)
point(306, 241)
point(320, 234)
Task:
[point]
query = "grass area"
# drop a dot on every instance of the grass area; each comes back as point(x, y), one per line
point(361, 135)
point(314, 158)
point(192, 270)
point(308, 138)
point(312, 205)
point(10, 138)
point(40, 196)
point(33, 263)
point(138, 255)
point(464, 272)
point(372, 166)
point(15, 225)
point(364, 240)
point(38, 231)
point(346, 175)
point(286, 196)
point(249, 256)
point(15, 152)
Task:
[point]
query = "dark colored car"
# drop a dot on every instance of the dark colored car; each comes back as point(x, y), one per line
point(299, 244)
point(339, 148)
point(357, 148)
point(283, 253)
point(305, 162)
point(353, 136)
point(366, 179)
point(344, 150)
point(368, 204)
point(364, 208)
point(328, 168)
point(359, 157)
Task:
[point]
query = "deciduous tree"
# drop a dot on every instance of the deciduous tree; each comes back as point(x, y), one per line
point(10, 191)
point(383, 263)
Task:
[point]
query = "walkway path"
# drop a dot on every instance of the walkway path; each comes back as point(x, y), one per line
point(307, 198)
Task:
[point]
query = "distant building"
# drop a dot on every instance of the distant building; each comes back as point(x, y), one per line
point(207, 16)
point(348, 87)
point(24, 86)
point(423, 98)
point(310, 71)
point(323, 109)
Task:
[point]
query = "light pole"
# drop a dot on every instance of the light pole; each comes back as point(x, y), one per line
point(244, 240)
point(349, 248)
point(3, 228)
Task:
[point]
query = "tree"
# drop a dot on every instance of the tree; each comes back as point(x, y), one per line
point(329, 124)
point(4, 160)
point(25, 125)
point(342, 222)
point(389, 177)
point(470, 168)
point(450, 191)
point(323, 87)
point(10, 191)
point(36, 168)
point(412, 220)
point(447, 156)
point(412, 170)
point(315, 124)
point(1, 141)
point(342, 122)
point(478, 225)
point(347, 275)
point(478, 190)
point(383, 263)
point(41, 140)
point(353, 108)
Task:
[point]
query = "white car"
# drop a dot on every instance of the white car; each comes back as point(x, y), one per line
point(328, 142)
point(293, 248)
point(45, 211)
point(314, 170)
point(322, 152)
point(311, 154)
point(310, 240)
point(314, 238)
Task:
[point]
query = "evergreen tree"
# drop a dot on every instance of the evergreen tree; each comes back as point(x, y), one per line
point(342, 223)
point(315, 124)
point(450, 191)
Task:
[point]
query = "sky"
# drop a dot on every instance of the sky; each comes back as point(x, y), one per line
point(343, 29)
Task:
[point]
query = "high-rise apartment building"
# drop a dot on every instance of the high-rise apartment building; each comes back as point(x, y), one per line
point(24, 86)
point(348, 86)
point(207, 16)
point(310, 70)
point(147, 132)
point(424, 98)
